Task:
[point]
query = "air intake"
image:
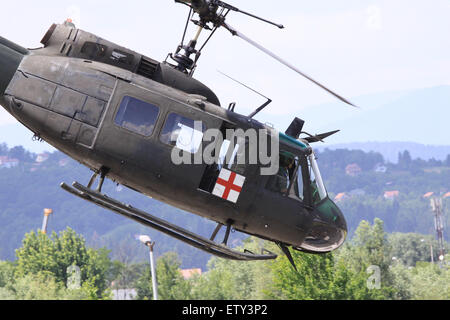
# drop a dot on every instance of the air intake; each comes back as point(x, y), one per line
point(146, 68)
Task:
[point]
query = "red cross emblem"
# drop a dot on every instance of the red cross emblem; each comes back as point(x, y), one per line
point(228, 185)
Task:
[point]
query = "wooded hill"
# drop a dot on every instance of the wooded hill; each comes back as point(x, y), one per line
point(360, 179)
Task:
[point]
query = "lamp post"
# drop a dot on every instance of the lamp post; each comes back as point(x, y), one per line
point(436, 206)
point(149, 243)
point(431, 250)
point(47, 213)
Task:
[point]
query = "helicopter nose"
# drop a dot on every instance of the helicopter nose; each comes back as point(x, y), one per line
point(329, 228)
point(11, 55)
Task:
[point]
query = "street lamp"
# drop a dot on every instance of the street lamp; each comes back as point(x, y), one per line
point(47, 213)
point(149, 243)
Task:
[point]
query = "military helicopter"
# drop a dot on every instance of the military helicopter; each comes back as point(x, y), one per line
point(125, 115)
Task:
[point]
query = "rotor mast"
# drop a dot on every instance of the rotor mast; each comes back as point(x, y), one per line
point(212, 15)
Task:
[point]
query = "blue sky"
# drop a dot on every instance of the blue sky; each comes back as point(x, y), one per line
point(353, 47)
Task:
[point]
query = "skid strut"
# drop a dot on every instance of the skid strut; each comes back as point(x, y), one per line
point(164, 226)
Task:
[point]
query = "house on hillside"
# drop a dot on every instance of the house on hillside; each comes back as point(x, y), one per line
point(189, 273)
point(352, 170)
point(6, 162)
point(347, 195)
point(341, 196)
point(391, 194)
point(380, 168)
point(42, 157)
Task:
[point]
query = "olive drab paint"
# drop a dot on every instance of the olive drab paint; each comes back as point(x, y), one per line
point(127, 117)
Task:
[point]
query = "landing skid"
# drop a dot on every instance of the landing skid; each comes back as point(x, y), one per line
point(168, 228)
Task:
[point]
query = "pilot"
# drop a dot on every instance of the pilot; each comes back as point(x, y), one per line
point(283, 176)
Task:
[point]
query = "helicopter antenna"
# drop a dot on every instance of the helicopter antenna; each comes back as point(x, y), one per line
point(265, 104)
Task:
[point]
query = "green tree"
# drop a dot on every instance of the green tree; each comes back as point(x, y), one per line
point(6, 280)
point(21, 154)
point(52, 256)
point(401, 280)
point(341, 275)
point(7, 269)
point(235, 280)
point(370, 251)
point(404, 160)
point(312, 280)
point(447, 161)
point(125, 275)
point(171, 284)
point(351, 285)
point(370, 246)
point(319, 277)
point(215, 284)
point(425, 281)
point(227, 280)
point(430, 282)
point(43, 286)
point(409, 248)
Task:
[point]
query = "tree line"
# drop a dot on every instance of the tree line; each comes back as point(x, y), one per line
point(370, 265)
point(27, 189)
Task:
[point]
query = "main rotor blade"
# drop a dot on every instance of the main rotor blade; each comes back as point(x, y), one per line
point(234, 32)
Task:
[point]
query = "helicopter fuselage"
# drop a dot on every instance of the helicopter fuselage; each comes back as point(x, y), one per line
point(114, 111)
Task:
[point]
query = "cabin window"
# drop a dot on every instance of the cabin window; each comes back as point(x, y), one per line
point(137, 116)
point(183, 133)
point(93, 50)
